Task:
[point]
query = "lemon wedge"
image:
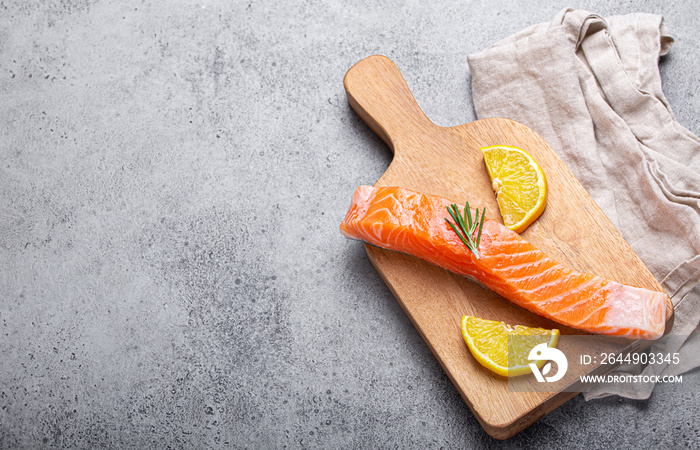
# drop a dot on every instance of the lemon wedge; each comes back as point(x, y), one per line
point(519, 183)
point(488, 342)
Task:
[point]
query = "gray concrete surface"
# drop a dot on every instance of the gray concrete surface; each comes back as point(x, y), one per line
point(172, 177)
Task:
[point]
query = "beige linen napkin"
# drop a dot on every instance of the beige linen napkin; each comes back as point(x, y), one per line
point(591, 87)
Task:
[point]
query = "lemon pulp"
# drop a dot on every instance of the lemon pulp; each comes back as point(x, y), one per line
point(487, 341)
point(519, 183)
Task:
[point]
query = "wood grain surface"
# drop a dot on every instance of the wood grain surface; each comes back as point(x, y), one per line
point(448, 162)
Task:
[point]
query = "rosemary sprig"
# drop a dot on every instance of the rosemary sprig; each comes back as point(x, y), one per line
point(467, 226)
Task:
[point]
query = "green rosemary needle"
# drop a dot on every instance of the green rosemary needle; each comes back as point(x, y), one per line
point(467, 226)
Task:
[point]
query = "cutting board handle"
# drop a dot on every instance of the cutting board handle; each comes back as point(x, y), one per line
point(380, 96)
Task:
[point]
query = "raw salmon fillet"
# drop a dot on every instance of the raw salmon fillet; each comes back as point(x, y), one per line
point(406, 221)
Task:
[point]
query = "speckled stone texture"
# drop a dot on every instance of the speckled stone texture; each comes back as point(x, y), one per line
point(172, 178)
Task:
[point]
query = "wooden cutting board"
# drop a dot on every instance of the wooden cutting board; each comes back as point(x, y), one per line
point(448, 162)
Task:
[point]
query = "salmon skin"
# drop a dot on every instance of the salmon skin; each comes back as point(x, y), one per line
point(398, 219)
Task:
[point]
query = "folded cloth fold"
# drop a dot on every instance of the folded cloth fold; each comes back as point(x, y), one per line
point(591, 87)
